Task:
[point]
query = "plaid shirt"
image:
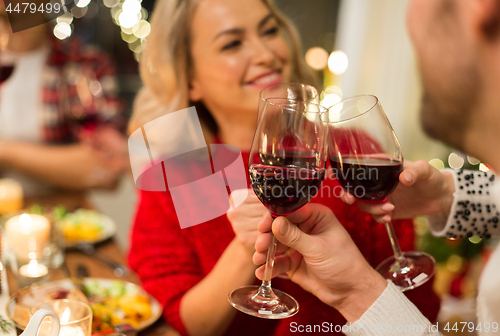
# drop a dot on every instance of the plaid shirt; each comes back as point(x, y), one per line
point(79, 90)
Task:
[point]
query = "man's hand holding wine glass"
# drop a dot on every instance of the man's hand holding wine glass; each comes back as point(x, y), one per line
point(245, 219)
point(322, 258)
point(423, 190)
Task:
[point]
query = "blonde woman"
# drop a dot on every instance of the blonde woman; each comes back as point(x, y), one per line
point(218, 55)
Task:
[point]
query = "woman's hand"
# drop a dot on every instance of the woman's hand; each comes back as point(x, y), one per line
point(422, 190)
point(245, 219)
point(322, 259)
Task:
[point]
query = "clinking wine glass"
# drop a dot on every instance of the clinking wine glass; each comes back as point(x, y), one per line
point(291, 91)
point(286, 168)
point(366, 159)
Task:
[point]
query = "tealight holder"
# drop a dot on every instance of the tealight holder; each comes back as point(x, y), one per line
point(33, 247)
point(30, 271)
point(75, 318)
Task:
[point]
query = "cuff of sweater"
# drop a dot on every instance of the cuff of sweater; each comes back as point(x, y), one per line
point(473, 212)
point(391, 314)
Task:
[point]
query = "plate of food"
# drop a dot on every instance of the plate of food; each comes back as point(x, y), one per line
point(113, 302)
point(85, 226)
point(79, 226)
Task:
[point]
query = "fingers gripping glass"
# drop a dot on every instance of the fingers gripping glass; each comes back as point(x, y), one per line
point(366, 159)
point(286, 167)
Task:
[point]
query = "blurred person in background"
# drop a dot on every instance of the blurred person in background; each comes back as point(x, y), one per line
point(218, 55)
point(457, 43)
point(61, 122)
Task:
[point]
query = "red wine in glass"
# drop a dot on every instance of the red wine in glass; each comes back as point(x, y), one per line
point(368, 178)
point(367, 158)
point(5, 72)
point(286, 168)
point(283, 190)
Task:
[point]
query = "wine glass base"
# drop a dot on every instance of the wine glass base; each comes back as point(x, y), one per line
point(282, 307)
point(415, 270)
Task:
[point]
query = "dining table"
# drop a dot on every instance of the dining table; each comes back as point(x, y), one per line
point(76, 260)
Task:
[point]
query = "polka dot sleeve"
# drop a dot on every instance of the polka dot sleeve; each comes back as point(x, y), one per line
point(474, 211)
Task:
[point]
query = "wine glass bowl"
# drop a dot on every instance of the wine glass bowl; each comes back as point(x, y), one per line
point(291, 157)
point(366, 158)
point(290, 92)
point(286, 168)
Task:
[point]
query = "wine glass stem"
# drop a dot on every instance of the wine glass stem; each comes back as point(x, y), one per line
point(265, 292)
point(398, 255)
point(268, 273)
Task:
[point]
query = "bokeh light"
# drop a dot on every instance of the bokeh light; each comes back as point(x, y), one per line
point(82, 3)
point(62, 30)
point(79, 12)
point(317, 58)
point(128, 31)
point(129, 38)
point(127, 19)
point(330, 99)
point(143, 29)
point(455, 161)
point(111, 3)
point(475, 239)
point(131, 6)
point(483, 168)
point(144, 14)
point(437, 163)
point(338, 62)
point(473, 161)
point(66, 18)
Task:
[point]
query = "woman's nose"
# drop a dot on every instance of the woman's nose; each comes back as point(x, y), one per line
point(262, 54)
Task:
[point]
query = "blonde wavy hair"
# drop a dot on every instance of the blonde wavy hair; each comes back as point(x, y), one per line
point(166, 64)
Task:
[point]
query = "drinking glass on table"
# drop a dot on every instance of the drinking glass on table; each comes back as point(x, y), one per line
point(366, 159)
point(75, 318)
point(286, 168)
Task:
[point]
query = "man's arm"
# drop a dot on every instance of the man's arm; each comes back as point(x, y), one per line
point(76, 166)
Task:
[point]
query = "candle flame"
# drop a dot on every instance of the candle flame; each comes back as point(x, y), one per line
point(65, 315)
point(33, 268)
point(26, 223)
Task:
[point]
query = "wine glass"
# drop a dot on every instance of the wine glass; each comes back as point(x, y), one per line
point(366, 159)
point(286, 168)
point(293, 91)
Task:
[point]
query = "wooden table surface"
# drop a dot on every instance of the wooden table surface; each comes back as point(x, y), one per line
point(96, 268)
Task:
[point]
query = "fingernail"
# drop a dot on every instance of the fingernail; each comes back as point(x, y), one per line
point(283, 227)
point(408, 177)
point(388, 207)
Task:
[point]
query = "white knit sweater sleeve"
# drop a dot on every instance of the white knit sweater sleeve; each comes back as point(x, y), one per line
point(473, 211)
point(390, 315)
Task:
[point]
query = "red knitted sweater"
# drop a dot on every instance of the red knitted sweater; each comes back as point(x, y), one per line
point(170, 260)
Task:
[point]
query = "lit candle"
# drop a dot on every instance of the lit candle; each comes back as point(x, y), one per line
point(71, 331)
point(33, 270)
point(27, 233)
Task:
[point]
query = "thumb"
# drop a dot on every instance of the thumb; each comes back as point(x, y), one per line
point(291, 236)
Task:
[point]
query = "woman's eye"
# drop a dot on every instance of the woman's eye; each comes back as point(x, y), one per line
point(271, 31)
point(231, 45)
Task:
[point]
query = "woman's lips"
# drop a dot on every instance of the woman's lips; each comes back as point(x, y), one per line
point(273, 78)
